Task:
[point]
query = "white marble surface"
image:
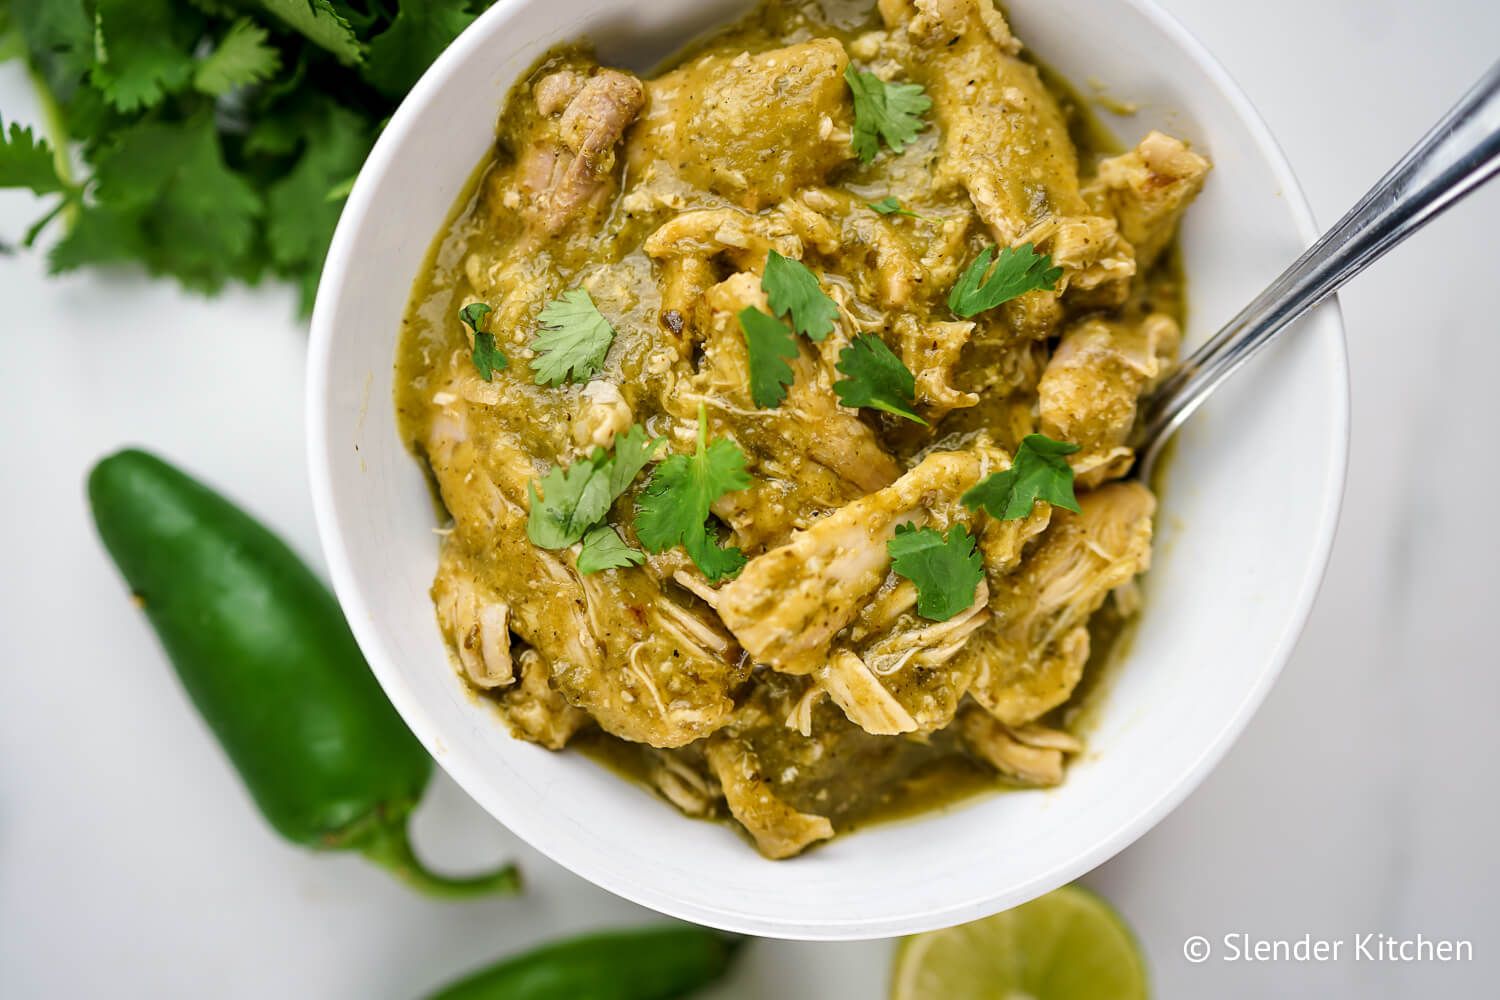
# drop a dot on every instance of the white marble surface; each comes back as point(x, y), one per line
point(1362, 797)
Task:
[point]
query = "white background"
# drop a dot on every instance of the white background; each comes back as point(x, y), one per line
point(1361, 798)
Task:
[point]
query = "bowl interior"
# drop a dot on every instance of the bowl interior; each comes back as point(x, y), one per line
point(1243, 532)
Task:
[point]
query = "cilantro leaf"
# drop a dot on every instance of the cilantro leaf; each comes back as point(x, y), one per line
point(99, 236)
point(770, 345)
point(1038, 472)
point(398, 56)
point(945, 568)
point(195, 218)
point(300, 219)
point(144, 51)
point(1019, 270)
point(876, 378)
point(604, 549)
point(889, 111)
point(243, 56)
point(486, 355)
point(792, 288)
point(891, 205)
point(674, 507)
point(320, 22)
point(574, 339)
point(28, 162)
point(577, 497)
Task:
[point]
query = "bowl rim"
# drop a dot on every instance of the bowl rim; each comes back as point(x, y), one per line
point(467, 774)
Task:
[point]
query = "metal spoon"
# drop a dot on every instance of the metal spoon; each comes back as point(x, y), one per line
point(1460, 153)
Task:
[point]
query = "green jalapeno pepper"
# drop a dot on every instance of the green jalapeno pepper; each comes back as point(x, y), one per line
point(657, 963)
point(266, 656)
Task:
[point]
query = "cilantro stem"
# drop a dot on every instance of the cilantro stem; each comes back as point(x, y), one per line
point(57, 135)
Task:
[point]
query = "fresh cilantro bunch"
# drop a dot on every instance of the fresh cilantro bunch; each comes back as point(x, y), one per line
point(218, 138)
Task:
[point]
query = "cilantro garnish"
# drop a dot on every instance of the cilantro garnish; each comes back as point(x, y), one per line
point(770, 345)
point(792, 289)
point(486, 355)
point(574, 339)
point(889, 111)
point(1038, 472)
point(1020, 269)
point(243, 56)
point(604, 549)
point(891, 205)
point(211, 132)
point(674, 507)
point(576, 498)
point(876, 378)
point(945, 567)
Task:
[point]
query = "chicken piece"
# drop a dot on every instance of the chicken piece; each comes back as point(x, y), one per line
point(475, 622)
point(752, 128)
point(1089, 391)
point(645, 667)
point(780, 831)
point(565, 173)
point(1027, 661)
point(787, 605)
point(603, 413)
point(743, 239)
point(535, 710)
point(1147, 190)
point(1005, 141)
point(902, 682)
point(1029, 755)
point(683, 783)
point(931, 351)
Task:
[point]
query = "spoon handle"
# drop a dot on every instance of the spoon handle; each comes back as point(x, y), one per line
point(1459, 154)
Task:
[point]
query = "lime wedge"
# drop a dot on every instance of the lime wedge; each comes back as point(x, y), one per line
point(1067, 945)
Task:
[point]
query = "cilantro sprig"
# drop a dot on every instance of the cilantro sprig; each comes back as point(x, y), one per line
point(573, 341)
point(486, 354)
point(1039, 471)
point(876, 378)
point(770, 345)
point(1017, 271)
point(891, 205)
point(793, 291)
point(674, 508)
point(603, 549)
point(945, 567)
point(889, 112)
point(212, 133)
point(577, 497)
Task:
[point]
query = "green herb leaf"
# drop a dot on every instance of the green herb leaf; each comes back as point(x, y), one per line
point(486, 355)
point(575, 338)
point(876, 378)
point(194, 217)
point(398, 56)
point(1039, 471)
point(28, 162)
point(1019, 270)
point(674, 507)
point(945, 568)
point(577, 497)
point(770, 345)
point(300, 220)
point(244, 56)
point(604, 549)
point(144, 51)
point(890, 205)
point(889, 111)
point(320, 22)
point(792, 288)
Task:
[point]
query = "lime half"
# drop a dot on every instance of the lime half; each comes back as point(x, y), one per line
point(1067, 945)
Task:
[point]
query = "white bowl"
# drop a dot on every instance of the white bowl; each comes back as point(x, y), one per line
point(1244, 530)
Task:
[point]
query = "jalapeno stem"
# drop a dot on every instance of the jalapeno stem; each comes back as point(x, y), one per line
point(390, 846)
